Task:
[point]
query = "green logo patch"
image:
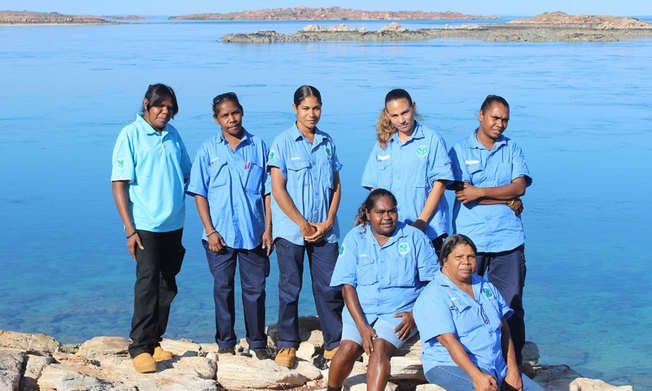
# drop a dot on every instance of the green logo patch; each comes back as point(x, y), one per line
point(487, 292)
point(271, 155)
point(341, 250)
point(403, 248)
point(120, 163)
point(422, 150)
point(329, 152)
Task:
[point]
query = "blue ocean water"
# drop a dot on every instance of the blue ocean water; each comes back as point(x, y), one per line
point(580, 111)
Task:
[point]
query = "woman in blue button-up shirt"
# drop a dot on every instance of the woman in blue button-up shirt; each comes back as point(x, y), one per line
point(462, 323)
point(380, 270)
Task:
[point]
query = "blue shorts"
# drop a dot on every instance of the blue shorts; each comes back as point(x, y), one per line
point(384, 327)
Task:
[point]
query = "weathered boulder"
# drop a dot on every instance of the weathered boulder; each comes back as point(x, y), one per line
point(181, 347)
point(63, 378)
point(313, 28)
point(28, 342)
point(393, 27)
point(429, 387)
point(11, 364)
point(530, 353)
point(33, 369)
point(240, 372)
point(102, 346)
point(584, 384)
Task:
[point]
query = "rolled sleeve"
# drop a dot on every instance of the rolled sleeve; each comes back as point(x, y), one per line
point(345, 268)
point(432, 315)
point(276, 158)
point(505, 311)
point(336, 166)
point(519, 167)
point(199, 178)
point(123, 159)
point(426, 257)
point(439, 165)
point(460, 174)
point(370, 175)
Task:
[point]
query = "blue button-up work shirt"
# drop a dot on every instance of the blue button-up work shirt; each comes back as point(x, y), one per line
point(234, 183)
point(308, 169)
point(444, 308)
point(408, 170)
point(493, 228)
point(156, 166)
point(387, 279)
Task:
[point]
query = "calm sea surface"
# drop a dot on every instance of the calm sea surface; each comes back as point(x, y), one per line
point(582, 113)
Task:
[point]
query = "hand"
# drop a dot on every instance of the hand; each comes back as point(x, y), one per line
point(368, 334)
point(484, 382)
point(406, 326)
point(132, 242)
point(469, 193)
point(267, 241)
point(517, 206)
point(419, 224)
point(216, 243)
point(307, 230)
point(513, 381)
point(321, 229)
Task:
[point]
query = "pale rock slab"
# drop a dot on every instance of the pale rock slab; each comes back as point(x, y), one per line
point(306, 351)
point(181, 347)
point(11, 365)
point(104, 346)
point(429, 387)
point(28, 342)
point(63, 378)
point(240, 372)
point(585, 384)
point(33, 369)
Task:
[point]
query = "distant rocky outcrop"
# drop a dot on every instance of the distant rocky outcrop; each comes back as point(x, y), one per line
point(29, 17)
point(29, 362)
point(331, 13)
point(555, 26)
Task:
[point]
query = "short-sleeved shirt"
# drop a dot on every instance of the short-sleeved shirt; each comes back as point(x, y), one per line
point(308, 169)
point(493, 228)
point(156, 166)
point(444, 308)
point(234, 183)
point(387, 279)
point(408, 170)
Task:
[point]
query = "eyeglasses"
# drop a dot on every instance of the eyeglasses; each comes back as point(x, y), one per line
point(225, 96)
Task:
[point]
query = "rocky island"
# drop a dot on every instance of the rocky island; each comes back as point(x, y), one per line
point(30, 17)
point(331, 13)
point(31, 362)
point(551, 26)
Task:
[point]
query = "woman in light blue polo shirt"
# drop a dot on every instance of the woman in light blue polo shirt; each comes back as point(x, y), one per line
point(462, 322)
point(306, 193)
point(150, 166)
point(411, 161)
point(381, 269)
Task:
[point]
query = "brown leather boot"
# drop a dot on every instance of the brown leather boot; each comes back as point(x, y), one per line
point(161, 355)
point(286, 357)
point(144, 363)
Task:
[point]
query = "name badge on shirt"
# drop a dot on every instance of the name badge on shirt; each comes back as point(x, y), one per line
point(296, 158)
point(213, 161)
point(382, 157)
point(468, 162)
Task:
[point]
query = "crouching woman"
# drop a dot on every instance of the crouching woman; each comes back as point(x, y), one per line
point(381, 269)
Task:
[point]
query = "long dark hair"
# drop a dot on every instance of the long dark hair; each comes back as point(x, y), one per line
point(452, 242)
point(157, 93)
point(368, 204)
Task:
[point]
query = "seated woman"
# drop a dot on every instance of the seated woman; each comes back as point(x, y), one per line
point(461, 319)
point(380, 269)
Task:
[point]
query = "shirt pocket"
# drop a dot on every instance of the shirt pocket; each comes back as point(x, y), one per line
point(218, 174)
point(503, 174)
point(405, 271)
point(365, 271)
point(467, 319)
point(385, 170)
point(476, 172)
point(254, 180)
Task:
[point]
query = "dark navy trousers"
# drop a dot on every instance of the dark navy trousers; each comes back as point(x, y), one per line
point(329, 302)
point(156, 269)
point(254, 268)
point(506, 270)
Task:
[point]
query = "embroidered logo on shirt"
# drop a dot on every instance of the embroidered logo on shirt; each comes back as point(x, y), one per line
point(382, 157)
point(487, 292)
point(271, 155)
point(341, 250)
point(422, 150)
point(403, 248)
point(329, 152)
point(120, 163)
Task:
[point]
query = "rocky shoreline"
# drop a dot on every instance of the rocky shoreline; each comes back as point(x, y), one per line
point(554, 26)
point(30, 362)
point(43, 18)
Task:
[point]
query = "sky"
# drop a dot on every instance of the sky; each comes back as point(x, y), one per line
point(475, 7)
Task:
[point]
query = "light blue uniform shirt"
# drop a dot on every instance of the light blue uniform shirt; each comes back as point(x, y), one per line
point(386, 279)
point(308, 170)
point(493, 228)
point(408, 171)
point(156, 165)
point(444, 308)
point(234, 184)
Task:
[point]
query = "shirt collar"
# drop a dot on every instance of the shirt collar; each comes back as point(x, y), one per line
point(416, 135)
point(443, 280)
point(149, 130)
point(478, 145)
point(398, 233)
point(246, 137)
point(297, 135)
